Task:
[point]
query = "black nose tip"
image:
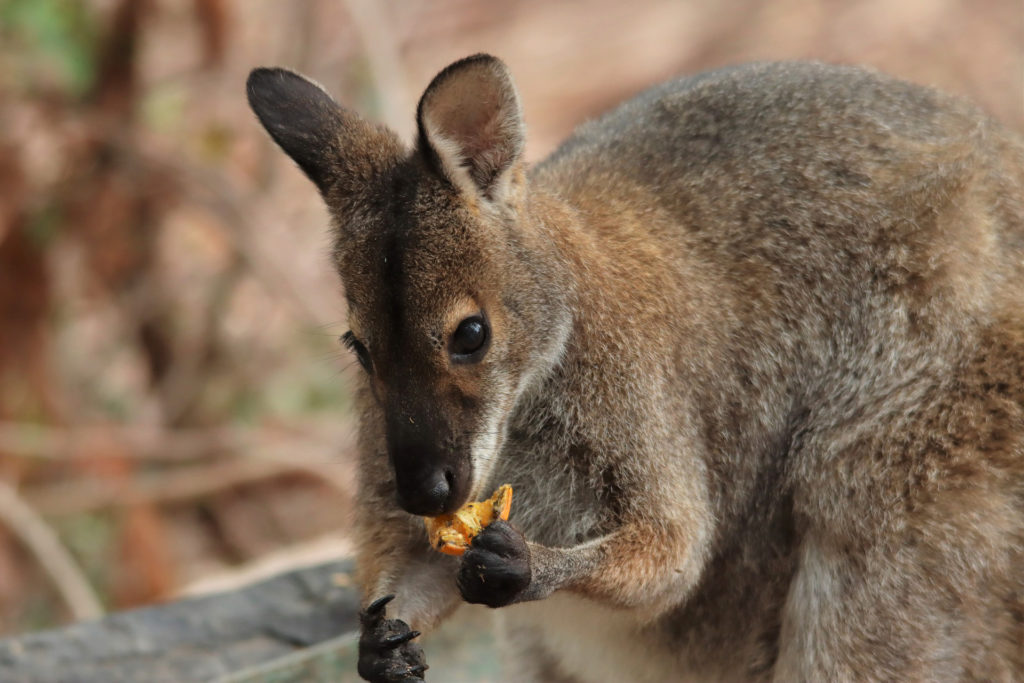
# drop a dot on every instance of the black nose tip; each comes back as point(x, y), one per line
point(428, 495)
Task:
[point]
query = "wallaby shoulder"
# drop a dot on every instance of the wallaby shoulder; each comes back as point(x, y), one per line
point(789, 170)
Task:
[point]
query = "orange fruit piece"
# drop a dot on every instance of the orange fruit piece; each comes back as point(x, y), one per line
point(451, 534)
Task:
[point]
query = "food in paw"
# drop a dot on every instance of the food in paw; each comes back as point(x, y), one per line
point(452, 533)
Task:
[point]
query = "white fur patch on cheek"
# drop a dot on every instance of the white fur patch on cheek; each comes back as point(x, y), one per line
point(487, 443)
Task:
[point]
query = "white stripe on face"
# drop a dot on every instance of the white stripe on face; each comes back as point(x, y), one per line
point(488, 442)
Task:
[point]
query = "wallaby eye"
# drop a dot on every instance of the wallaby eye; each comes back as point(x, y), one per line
point(362, 355)
point(469, 341)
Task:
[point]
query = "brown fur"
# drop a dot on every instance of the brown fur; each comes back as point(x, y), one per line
point(757, 369)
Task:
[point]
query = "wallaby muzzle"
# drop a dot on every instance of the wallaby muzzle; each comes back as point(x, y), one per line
point(431, 478)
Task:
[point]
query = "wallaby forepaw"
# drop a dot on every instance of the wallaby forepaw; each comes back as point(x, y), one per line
point(386, 653)
point(496, 568)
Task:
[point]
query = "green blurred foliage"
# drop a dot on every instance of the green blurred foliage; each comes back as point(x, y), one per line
point(162, 108)
point(44, 223)
point(91, 538)
point(52, 43)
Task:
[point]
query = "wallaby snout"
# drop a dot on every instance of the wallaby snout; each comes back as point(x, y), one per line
point(428, 432)
point(432, 476)
point(424, 486)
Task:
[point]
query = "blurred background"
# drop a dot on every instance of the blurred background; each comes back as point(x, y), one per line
point(173, 401)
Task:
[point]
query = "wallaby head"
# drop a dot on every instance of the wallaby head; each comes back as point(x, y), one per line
point(453, 310)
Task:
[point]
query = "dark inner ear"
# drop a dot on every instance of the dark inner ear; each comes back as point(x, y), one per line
point(301, 117)
point(470, 118)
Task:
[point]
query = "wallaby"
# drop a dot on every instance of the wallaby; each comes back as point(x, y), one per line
point(749, 349)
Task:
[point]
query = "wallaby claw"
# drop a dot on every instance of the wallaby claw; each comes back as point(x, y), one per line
point(386, 653)
point(377, 606)
point(398, 639)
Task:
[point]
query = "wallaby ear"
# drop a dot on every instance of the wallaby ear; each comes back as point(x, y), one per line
point(329, 143)
point(471, 124)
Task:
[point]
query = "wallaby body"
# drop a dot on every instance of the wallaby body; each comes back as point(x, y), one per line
point(753, 364)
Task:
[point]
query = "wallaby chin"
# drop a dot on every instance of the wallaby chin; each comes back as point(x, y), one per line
point(749, 349)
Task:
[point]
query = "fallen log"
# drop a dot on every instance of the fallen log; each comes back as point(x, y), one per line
point(197, 639)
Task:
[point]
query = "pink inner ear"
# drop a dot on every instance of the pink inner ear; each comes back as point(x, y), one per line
point(483, 142)
point(471, 115)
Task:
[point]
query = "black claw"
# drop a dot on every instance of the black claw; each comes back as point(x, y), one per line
point(386, 653)
point(377, 605)
point(396, 640)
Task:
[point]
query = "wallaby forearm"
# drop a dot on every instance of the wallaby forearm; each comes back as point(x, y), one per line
point(394, 558)
point(424, 590)
point(638, 565)
point(421, 580)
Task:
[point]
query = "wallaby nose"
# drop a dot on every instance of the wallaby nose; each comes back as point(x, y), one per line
point(427, 494)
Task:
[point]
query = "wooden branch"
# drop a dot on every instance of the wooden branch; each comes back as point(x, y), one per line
point(25, 439)
point(289, 558)
point(296, 627)
point(180, 484)
point(198, 639)
point(53, 557)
